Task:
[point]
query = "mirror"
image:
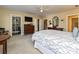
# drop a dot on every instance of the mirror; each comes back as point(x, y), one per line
point(55, 21)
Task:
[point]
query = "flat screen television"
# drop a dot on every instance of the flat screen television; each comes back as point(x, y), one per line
point(28, 19)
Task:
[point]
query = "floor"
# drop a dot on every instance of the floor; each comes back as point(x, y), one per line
point(21, 45)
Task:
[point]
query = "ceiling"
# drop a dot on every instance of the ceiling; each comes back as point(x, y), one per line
point(35, 9)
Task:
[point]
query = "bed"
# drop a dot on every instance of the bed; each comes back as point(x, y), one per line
point(55, 42)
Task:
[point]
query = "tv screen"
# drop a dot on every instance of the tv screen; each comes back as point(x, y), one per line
point(28, 19)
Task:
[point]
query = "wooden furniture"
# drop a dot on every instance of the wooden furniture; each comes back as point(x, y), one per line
point(61, 29)
point(28, 28)
point(2, 30)
point(3, 41)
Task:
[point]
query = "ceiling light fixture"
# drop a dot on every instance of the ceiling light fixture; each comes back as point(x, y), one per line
point(41, 9)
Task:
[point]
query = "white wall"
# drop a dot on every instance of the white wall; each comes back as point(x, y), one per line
point(63, 15)
point(6, 16)
point(0, 18)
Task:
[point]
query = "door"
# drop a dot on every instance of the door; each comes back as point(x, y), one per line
point(16, 25)
point(72, 22)
point(45, 24)
point(38, 25)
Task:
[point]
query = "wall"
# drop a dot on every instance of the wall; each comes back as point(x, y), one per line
point(63, 16)
point(0, 19)
point(6, 16)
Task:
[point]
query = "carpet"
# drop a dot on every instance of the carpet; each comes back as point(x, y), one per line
point(18, 44)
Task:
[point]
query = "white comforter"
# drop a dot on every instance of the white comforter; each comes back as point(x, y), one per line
point(57, 41)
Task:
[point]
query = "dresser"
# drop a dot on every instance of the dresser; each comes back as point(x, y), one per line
point(28, 28)
point(61, 29)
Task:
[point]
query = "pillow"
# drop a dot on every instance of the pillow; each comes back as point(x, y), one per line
point(75, 32)
point(78, 36)
point(77, 39)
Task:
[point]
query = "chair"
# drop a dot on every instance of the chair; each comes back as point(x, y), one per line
point(2, 30)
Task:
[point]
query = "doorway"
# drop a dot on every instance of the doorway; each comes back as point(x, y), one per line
point(45, 24)
point(16, 25)
point(38, 24)
point(72, 22)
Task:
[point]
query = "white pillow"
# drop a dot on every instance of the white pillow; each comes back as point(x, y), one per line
point(75, 32)
point(78, 37)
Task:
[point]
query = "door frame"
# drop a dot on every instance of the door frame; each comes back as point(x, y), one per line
point(70, 23)
point(38, 24)
point(10, 23)
point(67, 20)
point(44, 23)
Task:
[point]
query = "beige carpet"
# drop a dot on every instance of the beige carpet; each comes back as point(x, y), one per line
point(21, 45)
